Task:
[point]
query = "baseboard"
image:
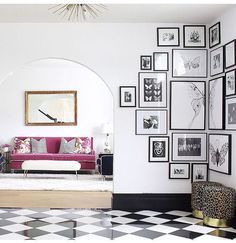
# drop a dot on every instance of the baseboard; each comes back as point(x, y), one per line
point(152, 201)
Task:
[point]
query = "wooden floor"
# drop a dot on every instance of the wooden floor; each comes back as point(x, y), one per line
point(55, 199)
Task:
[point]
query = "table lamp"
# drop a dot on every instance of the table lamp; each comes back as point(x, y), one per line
point(107, 129)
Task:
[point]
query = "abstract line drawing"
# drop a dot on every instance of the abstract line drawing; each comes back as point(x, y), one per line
point(211, 103)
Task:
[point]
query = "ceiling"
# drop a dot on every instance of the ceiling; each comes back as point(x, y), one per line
point(120, 13)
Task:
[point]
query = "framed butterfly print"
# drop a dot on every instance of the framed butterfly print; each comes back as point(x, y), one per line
point(187, 105)
point(220, 153)
point(152, 89)
point(188, 63)
point(217, 61)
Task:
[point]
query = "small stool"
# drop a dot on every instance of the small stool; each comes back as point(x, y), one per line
point(197, 196)
point(218, 206)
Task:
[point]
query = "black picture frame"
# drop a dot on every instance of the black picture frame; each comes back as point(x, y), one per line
point(155, 64)
point(230, 113)
point(197, 168)
point(217, 61)
point(214, 35)
point(146, 62)
point(230, 83)
point(168, 38)
point(127, 96)
point(185, 166)
point(197, 35)
point(230, 49)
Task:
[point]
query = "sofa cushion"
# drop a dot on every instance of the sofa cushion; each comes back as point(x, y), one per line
point(77, 157)
point(22, 146)
point(31, 156)
point(38, 146)
point(83, 145)
point(67, 147)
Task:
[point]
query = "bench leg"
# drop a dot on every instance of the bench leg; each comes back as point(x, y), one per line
point(76, 175)
point(25, 173)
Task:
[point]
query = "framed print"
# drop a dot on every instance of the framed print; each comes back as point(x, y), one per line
point(230, 83)
point(230, 113)
point(158, 148)
point(168, 36)
point(216, 107)
point(127, 96)
point(189, 146)
point(152, 89)
point(146, 62)
point(214, 35)
point(152, 122)
point(220, 153)
point(189, 63)
point(230, 58)
point(195, 36)
point(217, 61)
point(199, 172)
point(187, 105)
point(160, 61)
point(179, 171)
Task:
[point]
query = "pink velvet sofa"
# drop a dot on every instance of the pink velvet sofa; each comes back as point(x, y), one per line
point(87, 161)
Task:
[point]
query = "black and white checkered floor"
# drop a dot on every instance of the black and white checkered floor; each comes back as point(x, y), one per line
point(68, 224)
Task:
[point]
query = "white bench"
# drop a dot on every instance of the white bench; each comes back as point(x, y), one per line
point(51, 165)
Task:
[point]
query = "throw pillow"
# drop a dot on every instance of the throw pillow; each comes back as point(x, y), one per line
point(67, 147)
point(22, 146)
point(83, 145)
point(39, 146)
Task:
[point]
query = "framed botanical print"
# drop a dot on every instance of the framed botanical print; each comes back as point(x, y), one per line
point(152, 122)
point(189, 146)
point(179, 170)
point(188, 63)
point(199, 172)
point(127, 96)
point(216, 107)
point(168, 36)
point(158, 149)
point(146, 62)
point(230, 113)
point(195, 36)
point(230, 56)
point(187, 105)
point(152, 89)
point(214, 35)
point(160, 61)
point(217, 61)
point(230, 83)
point(220, 153)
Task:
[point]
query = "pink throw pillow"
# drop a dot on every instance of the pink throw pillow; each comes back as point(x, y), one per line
point(83, 145)
point(22, 146)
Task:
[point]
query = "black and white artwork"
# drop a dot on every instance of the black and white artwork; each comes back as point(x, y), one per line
point(179, 170)
point(152, 122)
point(199, 172)
point(160, 61)
point(195, 36)
point(189, 146)
point(158, 149)
point(189, 63)
point(230, 56)
point(168, 36)
point(146, 62)
point(187, 105)
point(152, 89)
point(217, 61)
point(127, 96)
point(230, 113)
point(230, 83)
point(220, 153)
point(216, 104)
point(214, 35)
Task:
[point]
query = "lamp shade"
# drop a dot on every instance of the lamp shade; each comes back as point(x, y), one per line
point(107, 128)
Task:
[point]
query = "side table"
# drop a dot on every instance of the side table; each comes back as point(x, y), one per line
point(5, 166)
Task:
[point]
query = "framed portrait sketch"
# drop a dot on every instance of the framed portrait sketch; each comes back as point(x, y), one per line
point(199, 172)
point(217, 61)
point(168, 36)
point(214, 35)
point(220, 153)
point(230, 83)
point(188, 63)
point(230, 113)
point(160, 61)
point(179, 170)
point(127, 96)
point(158, 148)
point(195, 36)
point(216, 107)
point(189, 146)
point(152, 122)
point(146, 62)
point(187, 105)
point(152, 89)
point(230, 57)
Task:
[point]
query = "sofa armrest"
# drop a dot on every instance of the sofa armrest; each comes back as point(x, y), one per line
point(92, 152)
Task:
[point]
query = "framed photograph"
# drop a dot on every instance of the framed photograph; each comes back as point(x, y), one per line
point(187, 105)
point(168, 36)
point(217, 61)
point(158, 148)
point(230, 113)
point(152, 122)
point(146, 62)
point(230, 57)
point(195, 36)
point(152, 90)
point(214, 35)
point(189, 146)
point(220, 153)
point(179, 171)
point(230, 83)
point(127, 96)
point(216, 107)
point(189, 63)
point(160, 61)
point(199, 172)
